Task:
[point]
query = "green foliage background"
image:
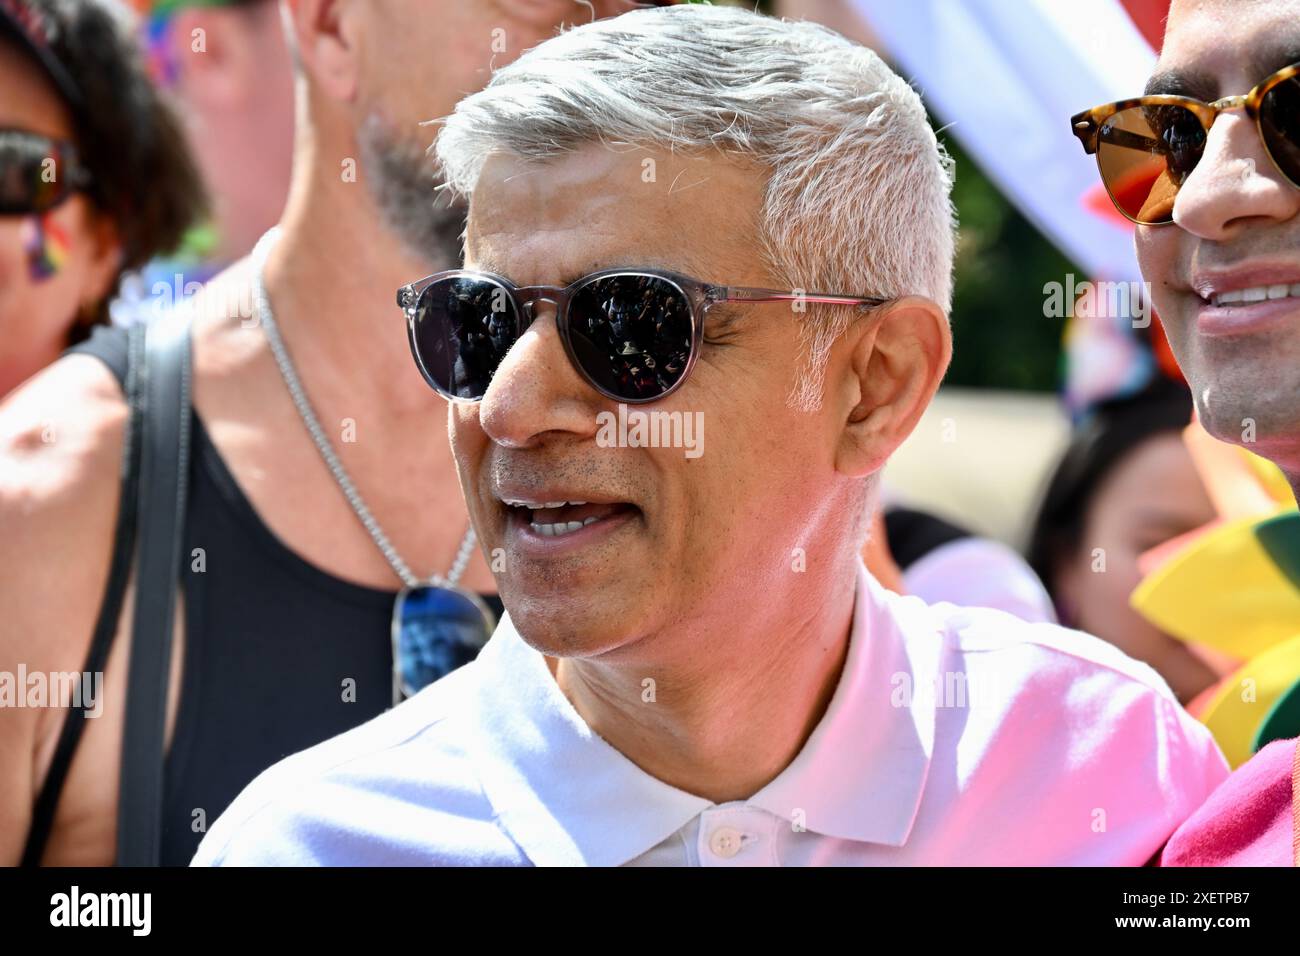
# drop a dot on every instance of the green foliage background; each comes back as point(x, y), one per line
point(1001, 338)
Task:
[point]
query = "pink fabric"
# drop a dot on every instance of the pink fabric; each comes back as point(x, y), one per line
point(1252, 819)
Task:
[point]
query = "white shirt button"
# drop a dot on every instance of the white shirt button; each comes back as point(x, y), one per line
point(725, 842)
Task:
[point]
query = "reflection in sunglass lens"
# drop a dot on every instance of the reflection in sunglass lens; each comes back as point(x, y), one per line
point(463, 328)
point(32, 177)
point(1279, 124)
point(631, 334)
point(1145, 154)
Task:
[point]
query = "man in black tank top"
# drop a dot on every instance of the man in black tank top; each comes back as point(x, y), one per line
point(286, 601)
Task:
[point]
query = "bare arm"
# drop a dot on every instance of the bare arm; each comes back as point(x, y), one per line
point(61, 440)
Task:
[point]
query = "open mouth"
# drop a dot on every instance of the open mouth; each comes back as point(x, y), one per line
point(555, 519)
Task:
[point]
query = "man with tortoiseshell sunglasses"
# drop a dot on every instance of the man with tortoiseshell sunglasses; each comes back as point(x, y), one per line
point(1207, 164)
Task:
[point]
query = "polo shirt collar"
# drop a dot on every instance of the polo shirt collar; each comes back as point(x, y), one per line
point(568, 798)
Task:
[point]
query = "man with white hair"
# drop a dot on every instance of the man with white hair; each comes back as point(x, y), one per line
point(729, 221)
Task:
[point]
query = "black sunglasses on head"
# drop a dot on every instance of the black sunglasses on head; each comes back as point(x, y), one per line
point(37, 172)
point(632, 334)
point(1147, 147)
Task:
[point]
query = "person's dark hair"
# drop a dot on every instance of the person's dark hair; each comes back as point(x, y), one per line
point(1105, 438)
point(127, 135)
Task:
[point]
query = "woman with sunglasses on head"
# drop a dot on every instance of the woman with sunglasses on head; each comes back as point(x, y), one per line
point(95, 177)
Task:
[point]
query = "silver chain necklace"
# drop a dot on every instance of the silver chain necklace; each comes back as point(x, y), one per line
point(262, 306)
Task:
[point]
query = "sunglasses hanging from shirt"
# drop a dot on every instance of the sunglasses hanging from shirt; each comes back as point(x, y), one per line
point(1148, 146)
point(437, 626)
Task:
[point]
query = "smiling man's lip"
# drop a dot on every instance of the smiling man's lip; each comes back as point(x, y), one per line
point(1210, 283)
point(1245, 318)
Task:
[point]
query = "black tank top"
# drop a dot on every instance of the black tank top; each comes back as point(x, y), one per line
point(270, 641)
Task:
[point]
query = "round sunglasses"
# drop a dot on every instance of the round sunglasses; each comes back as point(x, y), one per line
point(632, 334)
point(37, 172)
point(1148, 146)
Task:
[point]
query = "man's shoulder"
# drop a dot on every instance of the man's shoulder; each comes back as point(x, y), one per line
point(997, 642)
point(1090, 745)
point(61, 439)
point(62, 429)
point(400, 789)
point(1029, 685)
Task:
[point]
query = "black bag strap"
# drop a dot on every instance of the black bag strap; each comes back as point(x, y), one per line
point(164, 473)
point(110, 606)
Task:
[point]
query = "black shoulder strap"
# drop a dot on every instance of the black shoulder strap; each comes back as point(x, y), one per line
point(164, 470)
point(110, 606)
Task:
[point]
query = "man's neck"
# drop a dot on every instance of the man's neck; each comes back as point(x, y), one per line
point(737, 696)
point(332, 279)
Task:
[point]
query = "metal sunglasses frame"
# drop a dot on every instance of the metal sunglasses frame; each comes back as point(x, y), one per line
point(700, 295)
point(1087, 125)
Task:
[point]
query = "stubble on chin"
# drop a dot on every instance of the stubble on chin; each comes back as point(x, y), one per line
point(402, 181)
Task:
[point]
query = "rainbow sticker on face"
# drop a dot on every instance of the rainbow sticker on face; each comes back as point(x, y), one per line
point(46, 244)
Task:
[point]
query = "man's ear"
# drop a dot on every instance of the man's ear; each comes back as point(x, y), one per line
point(896, 361)
point(328, 41)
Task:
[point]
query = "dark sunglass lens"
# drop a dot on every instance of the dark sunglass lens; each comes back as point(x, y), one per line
point(1145, 154)
point(1279, 124)
point(435, 631)
point(32, 176)
point(462, 330)
point(631, 334)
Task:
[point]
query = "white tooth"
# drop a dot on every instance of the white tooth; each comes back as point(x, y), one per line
point(1278, 291)
point(576, 503)
point(553, 504)
point(555, 529)
point(1295, 290)
point(1224, 298)
point(587, 521)
point(1256, 294)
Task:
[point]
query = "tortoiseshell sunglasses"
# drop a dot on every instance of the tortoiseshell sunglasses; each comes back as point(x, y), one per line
point(632, 334)
point(1148, 146)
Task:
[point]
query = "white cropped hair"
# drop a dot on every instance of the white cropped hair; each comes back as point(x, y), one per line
point(858, 194)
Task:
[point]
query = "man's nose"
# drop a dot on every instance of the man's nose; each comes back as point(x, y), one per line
point(1235, 183)
point(536, 392)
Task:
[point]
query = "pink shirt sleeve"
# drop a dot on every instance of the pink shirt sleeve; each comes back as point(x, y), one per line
point(1252, 819)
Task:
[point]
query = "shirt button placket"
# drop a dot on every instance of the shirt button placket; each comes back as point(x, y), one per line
point(725, 842)
point(729, 836)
